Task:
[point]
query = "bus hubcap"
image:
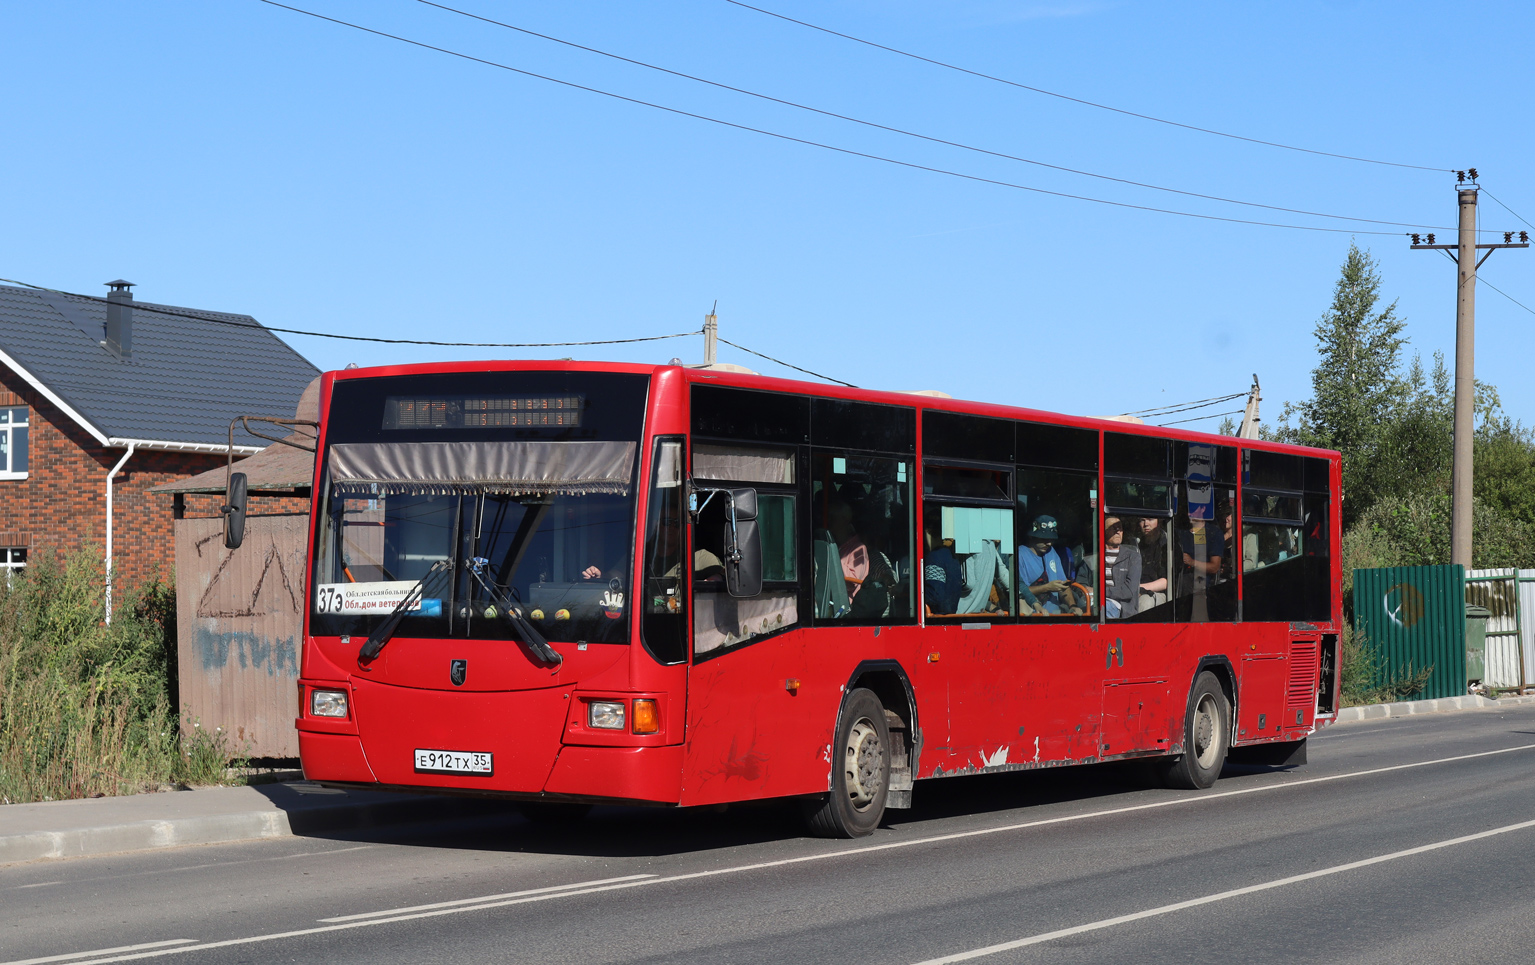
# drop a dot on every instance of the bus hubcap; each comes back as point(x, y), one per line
point(864, 763)
point(1206, 731)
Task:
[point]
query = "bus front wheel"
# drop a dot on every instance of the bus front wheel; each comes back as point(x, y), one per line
point(860, 772)
point(1206, 736)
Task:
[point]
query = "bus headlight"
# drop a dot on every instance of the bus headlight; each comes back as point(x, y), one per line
point(605, 715)
point(327, 703)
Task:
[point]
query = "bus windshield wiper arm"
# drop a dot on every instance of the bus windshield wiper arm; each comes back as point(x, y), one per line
point(501, 595)
point(384, 631)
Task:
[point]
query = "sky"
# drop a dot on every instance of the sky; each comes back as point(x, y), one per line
point(233, 155)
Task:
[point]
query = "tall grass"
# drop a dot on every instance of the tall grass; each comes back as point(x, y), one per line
point(85, 707)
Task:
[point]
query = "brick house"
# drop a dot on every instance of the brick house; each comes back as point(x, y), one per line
point(103, 398)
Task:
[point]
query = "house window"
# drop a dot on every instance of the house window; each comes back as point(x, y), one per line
point(13, 442)
point(11, 560)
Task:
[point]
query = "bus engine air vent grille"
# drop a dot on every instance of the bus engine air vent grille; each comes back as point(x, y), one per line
point(1301, 691)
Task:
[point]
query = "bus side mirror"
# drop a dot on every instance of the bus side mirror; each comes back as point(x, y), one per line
point(234, 512)
point(743, 545)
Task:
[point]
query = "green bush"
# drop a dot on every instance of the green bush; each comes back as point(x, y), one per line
point(85, 707)
point(1365, 679)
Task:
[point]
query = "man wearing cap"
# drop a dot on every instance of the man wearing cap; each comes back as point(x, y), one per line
point(1041, 574)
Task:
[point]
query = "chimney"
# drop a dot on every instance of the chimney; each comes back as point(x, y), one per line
point(119, 340)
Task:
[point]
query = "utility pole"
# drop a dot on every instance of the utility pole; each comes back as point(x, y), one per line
point(711, 335)
point(1466, 263)
point(1250, 420)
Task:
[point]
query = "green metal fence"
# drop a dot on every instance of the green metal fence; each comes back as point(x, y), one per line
point(1415, 618)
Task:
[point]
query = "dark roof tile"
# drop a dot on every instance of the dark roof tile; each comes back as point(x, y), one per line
point(187, 377)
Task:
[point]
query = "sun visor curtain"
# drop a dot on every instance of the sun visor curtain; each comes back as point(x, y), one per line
point(745, 465)
point(467, 468)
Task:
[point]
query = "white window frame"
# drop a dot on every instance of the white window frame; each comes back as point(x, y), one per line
point(5, 428)
point(9, 565)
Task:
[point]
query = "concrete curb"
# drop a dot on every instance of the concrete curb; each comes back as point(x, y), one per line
point(1435, 706)
point(280, 811)
point(142, 836)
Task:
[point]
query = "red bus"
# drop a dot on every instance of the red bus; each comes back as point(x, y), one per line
point(569, 583)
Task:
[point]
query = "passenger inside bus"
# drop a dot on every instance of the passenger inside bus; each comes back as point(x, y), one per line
point(968, 564)
point(1044, 584)
point(1153, 550)
point(1121, 571)
point(860, 518)
point(866, 571)
point(941, 579)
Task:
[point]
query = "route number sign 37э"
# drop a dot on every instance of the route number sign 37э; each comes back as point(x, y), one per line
point(363, 598)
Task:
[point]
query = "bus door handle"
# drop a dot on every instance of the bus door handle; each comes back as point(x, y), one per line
point(1116, 653)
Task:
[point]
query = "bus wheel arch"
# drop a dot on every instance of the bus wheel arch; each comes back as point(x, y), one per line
point(1220, 666)
point(889, 682)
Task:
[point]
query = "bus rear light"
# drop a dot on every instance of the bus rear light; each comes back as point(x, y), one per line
point(605, 715)
point(327, 703)
point(647, 718)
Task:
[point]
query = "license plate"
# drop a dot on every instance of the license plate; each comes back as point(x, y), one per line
point(453, 762)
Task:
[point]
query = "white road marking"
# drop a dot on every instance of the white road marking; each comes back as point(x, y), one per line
point(1220, 896)
point(72, 956)
point(488, 903)
point(485, 898)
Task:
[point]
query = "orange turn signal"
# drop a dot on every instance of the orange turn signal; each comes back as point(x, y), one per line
point(647, 719)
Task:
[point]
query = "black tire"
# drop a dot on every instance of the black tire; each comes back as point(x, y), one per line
point(1206, 737)
point(860, 773)
point(553, 814)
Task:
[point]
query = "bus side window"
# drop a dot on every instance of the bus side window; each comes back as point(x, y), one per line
point(1202, 589)
point(1286, 540)
point(663, 625)
point(1058, 559)
point(719, 619)
point(968, 548)
point(861, 525)
point(1139, 492)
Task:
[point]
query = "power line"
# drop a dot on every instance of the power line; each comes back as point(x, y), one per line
point(818, 144)
point(201, 317)
point(1483, 281)
point(1506, 207)
point(1179, 422)
point(786, 364)
point(1162, 410)
point(1078, 100)
point(906, 133)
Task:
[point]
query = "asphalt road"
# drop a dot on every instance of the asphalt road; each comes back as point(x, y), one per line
point(1402, 841)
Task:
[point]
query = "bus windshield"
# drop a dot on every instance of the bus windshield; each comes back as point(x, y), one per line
point(520, 494)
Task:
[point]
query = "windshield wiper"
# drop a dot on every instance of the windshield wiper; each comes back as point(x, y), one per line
point(385, 630)
point(512, 613)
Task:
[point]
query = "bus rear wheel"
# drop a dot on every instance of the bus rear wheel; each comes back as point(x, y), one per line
point(860, 773)
point(1206, 737)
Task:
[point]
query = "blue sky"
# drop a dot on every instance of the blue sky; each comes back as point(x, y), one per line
point(237, 156)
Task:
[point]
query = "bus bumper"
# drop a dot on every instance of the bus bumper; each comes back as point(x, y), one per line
point(625, 773)
point(629, 774)
point(333, 757)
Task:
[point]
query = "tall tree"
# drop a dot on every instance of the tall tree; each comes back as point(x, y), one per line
point(1357, 384)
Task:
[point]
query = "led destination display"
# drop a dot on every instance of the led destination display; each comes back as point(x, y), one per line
point(469, 412)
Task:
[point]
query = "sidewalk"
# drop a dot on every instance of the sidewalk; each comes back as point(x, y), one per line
point(1435, 706)
point(144, 822)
